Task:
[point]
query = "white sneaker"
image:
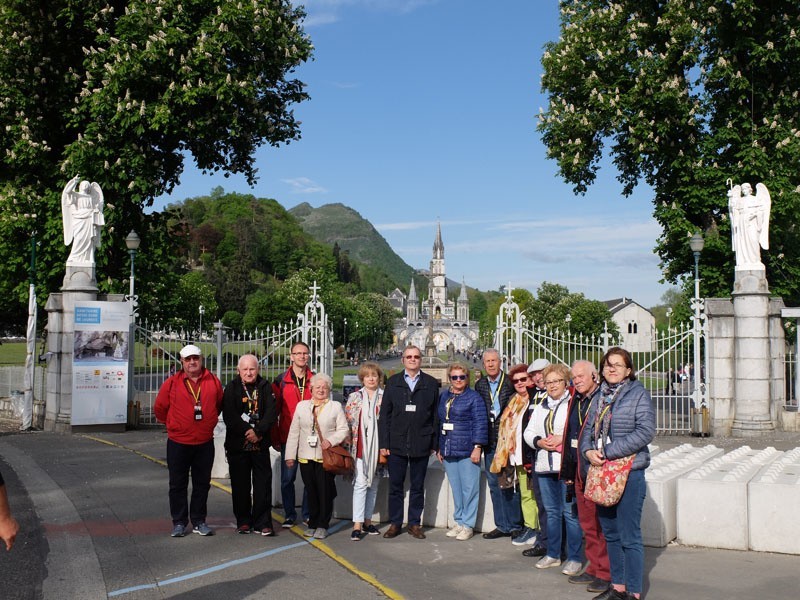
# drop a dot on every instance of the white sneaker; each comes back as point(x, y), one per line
point(466, 533)
point(547, 562)
point(572, 567)
point(454, 531)
point(321, 533)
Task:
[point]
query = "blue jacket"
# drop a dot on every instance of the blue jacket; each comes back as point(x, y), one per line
point(633, 425)
point(469, 420)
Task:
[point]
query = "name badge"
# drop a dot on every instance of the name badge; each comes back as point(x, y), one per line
point(573, 443)
point(246, 418)
point(411, 408)
point(448, 426)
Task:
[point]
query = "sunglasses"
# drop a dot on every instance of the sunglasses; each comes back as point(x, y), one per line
point(457, 377)
point(519, 380)
point(413, 357)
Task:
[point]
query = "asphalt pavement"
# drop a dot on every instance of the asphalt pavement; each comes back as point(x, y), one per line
point(95, 524)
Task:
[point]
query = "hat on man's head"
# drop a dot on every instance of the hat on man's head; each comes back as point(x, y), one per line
point(190, 350)
point(538, 365)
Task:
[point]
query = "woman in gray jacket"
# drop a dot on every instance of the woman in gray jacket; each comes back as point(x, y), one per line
point(621, 422)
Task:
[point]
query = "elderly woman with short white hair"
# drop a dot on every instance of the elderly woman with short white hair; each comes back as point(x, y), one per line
point(318, 423)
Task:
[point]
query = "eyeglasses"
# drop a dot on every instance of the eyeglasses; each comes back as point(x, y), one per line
point(412, 357)
point(519, 380)
point(615, 366)
point(458, 377)
point(554, 382)
point(299, 353)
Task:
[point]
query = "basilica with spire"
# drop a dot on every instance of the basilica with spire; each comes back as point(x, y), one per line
point(437, 320)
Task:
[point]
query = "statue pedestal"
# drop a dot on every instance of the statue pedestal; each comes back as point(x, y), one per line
point(752, 358)
point(80, 279)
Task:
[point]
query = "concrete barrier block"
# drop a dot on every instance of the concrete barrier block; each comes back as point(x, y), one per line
point(712, 504)
point(219, 470)
point(659, 518)
point(774, 495)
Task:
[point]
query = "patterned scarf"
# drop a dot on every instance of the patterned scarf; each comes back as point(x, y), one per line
point(602, 422)
point(507, 432)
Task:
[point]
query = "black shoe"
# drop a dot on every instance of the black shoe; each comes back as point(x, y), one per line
point(495, 534)
point(612, 594)
point(537, 550)
point(598, 585)
point(584, 578)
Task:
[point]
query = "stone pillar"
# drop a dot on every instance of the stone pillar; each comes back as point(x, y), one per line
point(79, 286)
point(752, 366)
point(720, 356)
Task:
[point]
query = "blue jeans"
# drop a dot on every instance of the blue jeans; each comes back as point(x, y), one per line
point(554, 495)
point(505, 503)
point(288, 475)
point(465, 482)
point(622, 528)
point(364, 495)
point(418, 467)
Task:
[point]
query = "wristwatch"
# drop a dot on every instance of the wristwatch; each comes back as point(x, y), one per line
point(477, 447)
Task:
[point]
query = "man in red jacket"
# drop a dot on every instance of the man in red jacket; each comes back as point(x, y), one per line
point(189, 403)
point(290, 388)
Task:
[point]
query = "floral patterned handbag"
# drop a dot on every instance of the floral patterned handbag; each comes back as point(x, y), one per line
point(606, 483)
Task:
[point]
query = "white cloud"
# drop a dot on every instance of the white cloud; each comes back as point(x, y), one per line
point(304, 185)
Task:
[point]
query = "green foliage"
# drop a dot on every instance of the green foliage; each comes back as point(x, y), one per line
point(686, 95)
point(120, 92)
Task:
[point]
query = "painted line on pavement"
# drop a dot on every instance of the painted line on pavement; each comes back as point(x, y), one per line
point(318, 544)
point(214, 569)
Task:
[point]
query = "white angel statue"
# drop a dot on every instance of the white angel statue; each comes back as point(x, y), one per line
point(82, 212)
point(749, 224)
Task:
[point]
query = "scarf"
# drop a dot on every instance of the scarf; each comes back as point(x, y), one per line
point(368, 430)
point(606, 397)
point(507, 432)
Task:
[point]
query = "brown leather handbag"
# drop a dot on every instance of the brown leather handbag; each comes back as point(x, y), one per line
point(336, 459)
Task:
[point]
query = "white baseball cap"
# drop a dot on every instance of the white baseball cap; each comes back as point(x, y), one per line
point(538, 365)
point(190, 350)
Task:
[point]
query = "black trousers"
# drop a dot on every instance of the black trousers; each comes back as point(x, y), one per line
point(254, 468)
point(181, 459)
point(321, 488)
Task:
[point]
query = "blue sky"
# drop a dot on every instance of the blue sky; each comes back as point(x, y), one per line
point(426, 109)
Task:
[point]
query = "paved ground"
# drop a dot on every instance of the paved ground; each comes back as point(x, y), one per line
point(95, 524)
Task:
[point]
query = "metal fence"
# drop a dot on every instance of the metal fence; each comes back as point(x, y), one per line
point(157, 351)
point(668, 370)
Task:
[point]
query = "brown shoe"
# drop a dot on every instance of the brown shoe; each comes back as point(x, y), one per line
point(416, 531)
point(392, 532)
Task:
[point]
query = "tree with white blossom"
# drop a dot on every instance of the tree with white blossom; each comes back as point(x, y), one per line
point(121, 92)
point(684, 95)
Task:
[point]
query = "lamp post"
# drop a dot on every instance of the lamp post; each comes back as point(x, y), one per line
point(696, 244)
point(202, 310)
point(132, 242)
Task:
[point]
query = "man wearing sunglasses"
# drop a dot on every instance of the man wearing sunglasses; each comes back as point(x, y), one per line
point(496, 389)
point(407, 433)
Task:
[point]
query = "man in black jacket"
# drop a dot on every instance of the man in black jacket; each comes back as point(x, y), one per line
point(407, 431)
point(249, 411)
point(496, 389)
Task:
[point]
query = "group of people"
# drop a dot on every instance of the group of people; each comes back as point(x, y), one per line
point(538, 427)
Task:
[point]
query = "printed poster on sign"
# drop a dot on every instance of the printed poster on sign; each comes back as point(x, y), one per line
point(100, 363)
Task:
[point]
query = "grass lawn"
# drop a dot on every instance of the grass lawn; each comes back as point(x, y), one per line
point(13, 353)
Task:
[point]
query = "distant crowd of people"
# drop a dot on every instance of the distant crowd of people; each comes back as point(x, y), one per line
point(534, 430)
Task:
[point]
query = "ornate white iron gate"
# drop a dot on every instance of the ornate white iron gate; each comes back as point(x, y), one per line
point(669, 370)
point(156, 351)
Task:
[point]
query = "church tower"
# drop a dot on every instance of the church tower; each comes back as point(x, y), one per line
point(437, 288)
point(412, 306)
point(463, 304)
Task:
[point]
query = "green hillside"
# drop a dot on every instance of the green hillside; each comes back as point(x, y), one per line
point(339, 224)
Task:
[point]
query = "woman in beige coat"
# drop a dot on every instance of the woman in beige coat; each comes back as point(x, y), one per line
point(318, 423)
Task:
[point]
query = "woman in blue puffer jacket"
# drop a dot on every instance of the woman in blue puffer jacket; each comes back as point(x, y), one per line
point(621, 422)
point(464, 431)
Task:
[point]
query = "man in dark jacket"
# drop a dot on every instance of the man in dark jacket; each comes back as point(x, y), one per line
point(249, 411)
point(408, 434)
point(496, 389)
point(597, 576)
